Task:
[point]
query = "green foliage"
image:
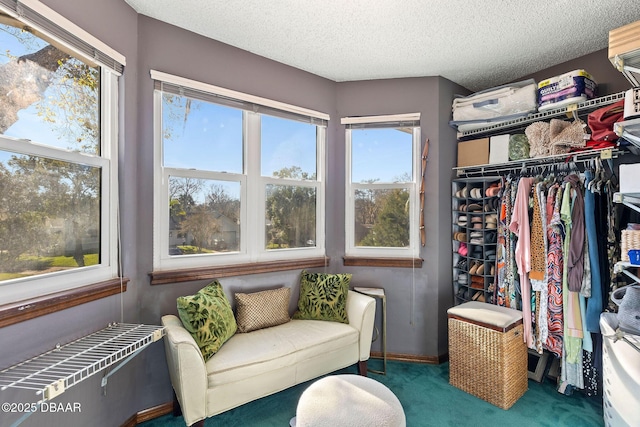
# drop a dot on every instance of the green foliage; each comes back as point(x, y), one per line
point(53, 204)
point(291, 210)
point(189, 250)
point(391, 228)
point(72, 108)
point(49, 203)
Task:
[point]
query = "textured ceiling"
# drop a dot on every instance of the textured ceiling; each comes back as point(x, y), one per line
point(475, 43)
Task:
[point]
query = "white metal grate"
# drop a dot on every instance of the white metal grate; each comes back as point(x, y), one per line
point(51, 373)
point(521, 122)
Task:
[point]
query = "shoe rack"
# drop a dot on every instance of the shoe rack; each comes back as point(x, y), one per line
point(474, 235)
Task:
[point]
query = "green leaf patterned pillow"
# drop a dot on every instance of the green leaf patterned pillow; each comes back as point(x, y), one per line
point(323, 297)
point(207, 315)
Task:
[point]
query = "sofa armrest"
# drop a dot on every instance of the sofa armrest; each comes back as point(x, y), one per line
point(361, 310)
point(187, 370)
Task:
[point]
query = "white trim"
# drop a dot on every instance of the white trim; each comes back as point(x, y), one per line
point(252, 186)
point(42, 284)
point(193, 84)
point(63, 22)
point(380, 119)
point(413, 250)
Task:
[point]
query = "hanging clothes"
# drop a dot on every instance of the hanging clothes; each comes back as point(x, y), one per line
point(520, 226)
point(571, 368)
point(594, 305)
point(576, 248)
point(501, 247)
point(538, 273)
point(555, 263)
point(555, 250)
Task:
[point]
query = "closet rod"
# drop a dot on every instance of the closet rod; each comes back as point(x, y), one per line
point(527, 164)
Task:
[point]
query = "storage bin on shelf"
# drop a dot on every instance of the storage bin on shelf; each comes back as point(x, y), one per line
point(487, 354)
point(629, 240)
point(569, 88)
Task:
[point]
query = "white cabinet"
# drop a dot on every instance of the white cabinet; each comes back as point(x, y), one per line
point(620, 374)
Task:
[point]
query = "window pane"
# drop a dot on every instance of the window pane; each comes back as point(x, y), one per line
point(382, 218)
point(49, 215)
point(381, 155)
point(288, 148)
point(201, 135)
point(290, 216)
point(204, 216)
point(54, 97)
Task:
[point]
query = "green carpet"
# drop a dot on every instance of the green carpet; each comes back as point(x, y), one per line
point(428, 400)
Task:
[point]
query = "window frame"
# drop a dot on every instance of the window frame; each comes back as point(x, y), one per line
point(253, 184)
point(46, 22)
point(389, 122)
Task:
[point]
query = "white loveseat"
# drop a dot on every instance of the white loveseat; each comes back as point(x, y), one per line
point(256, 364)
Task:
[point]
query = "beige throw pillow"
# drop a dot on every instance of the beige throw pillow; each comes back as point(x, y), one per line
point(263, 309)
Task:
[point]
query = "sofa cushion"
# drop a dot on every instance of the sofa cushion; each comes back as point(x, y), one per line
point(323, 297)
point(262, 309)
point(208, 317)
point(251, 354)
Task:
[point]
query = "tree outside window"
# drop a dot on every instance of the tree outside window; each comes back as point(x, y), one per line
point(50, 212)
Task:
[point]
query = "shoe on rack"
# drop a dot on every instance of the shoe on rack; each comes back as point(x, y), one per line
point(480, 270)
point(474, 207)
point(476, 193)
point(463, 249)
point(474, 267)
point(493, 189)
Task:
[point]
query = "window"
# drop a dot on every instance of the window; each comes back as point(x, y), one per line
point(382, 172)
point(238, 178)
point(58, 140)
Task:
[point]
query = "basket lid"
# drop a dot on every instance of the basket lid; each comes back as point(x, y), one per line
point(488, 314)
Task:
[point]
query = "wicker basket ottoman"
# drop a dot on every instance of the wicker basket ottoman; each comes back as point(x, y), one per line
point(487, 353)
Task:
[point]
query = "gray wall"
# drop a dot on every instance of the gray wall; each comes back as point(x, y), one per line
point(115, 23)
point(597, 64)
point(417, 299)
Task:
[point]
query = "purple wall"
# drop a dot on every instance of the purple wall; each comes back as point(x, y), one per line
point(597, 64)
point(417, 299)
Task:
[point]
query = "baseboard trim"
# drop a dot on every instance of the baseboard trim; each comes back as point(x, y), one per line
point(149, 414)
point(399, 357)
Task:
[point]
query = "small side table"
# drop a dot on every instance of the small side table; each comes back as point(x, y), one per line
point(379, 294)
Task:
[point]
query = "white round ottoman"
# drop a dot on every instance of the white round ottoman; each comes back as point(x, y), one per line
point(348, 400)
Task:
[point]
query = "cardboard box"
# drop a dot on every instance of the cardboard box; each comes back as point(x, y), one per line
point(473, 152)
point(630, 178)
point(499, 149)
point(624, 42)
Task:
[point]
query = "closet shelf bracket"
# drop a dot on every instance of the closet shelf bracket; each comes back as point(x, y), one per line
point(52, 373)
point(629, 130)
point(623, 266)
